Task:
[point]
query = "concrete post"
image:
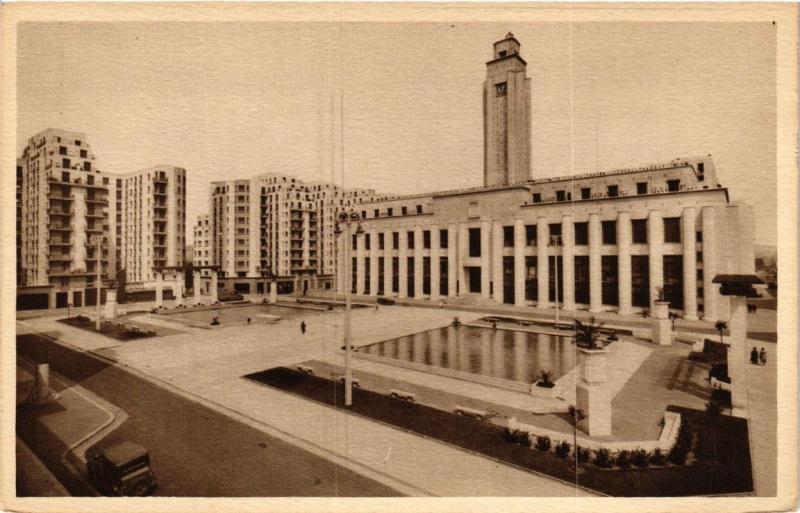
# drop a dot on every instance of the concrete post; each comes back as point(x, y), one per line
point(655, 242)
point(624, 241)
point(111, 304)
point(519, 262)
point(177, 288)
point(486, 258)
point(434, 256)
point(273, 292)
point(689, 263)
point(159, 289)
point(497, 261)
point(737, 354)
point(542, 263)
point(214, 286)
point(661, 331)
point(592, 394)
point(196, 286)
point(568, 259)
point(595, 267)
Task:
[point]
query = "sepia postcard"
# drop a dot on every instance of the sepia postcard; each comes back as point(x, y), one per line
point(399, 257)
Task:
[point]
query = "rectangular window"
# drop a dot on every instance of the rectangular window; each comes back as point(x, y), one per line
point(410, 237)
point(639, 231)
point(554, 229)
point(641, 187)
point(395, 242)
point(404, 210)
point(531, 285)
point(367, 241)
point(426, 239)
point(698, 236)
point(474, 242)
point(376, 213)
point(537, 197)
point(62, 150)
point(609, 232)
point(355, 242)
point(673, 185)
point(586, 193)
point(530, 234)
point(613, 191)
point(672, 229)
point(508, 236)
point(609, 272)
point(581, 234)
point(381, 241)
point(84, 154)
point(500, 89)
point(65, 163)
point(581, 270)
point(561, 195)
point(419, 209)
point(640, 280)
point(389, 212)
point(443, 242)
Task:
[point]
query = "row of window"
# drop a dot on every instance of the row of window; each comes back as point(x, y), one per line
point(611, 191)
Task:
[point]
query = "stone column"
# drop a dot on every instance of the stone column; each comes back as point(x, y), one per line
point(51, 298)
point(159, 289)
point(273, 292)
point(710, 290)
point(688, 220)
point(418, 271)
point(388, 270)
point(542, 263)
point(452, 259)
point(497, 261)
point(486, 257)
point(661, 331)
point(737, 354)
point(434, 254)
point(214, 286)
point(341, 275)
point(592, 394)
point(402, 267)
point(519, 262)
point(360, 262)
point(463, 252)
point(624, 238)
point(196, 286)
point(655, 243)
point(520, 360)
point(568, 259)
point(111, 304)
point(177, 288)
point(595, 267)
point(373, 263)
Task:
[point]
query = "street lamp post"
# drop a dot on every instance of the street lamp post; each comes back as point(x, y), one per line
point(347, 220)
point(555, 241)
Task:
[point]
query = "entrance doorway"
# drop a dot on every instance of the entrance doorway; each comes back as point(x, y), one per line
point(474, 279)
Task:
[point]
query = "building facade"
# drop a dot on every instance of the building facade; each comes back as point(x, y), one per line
point(273, 227)
point(63, 210)
point(607, 241)
point(151, 223)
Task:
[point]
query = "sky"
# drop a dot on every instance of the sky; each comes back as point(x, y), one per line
point(233, 100)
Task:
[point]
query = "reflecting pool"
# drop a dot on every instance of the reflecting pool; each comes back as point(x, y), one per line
point(503, 354)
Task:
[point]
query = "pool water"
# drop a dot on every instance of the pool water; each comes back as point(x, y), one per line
point(503, 354)
point(239, 315)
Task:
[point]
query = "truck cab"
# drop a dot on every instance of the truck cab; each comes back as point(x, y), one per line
point(122, 469)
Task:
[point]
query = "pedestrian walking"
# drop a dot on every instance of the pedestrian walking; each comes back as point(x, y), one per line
point(303, 327)
point(376, 307)
point(754, 356)
point(762, 356)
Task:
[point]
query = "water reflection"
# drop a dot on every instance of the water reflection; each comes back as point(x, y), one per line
point(510, 355)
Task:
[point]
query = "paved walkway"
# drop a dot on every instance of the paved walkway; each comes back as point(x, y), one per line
point(763, 422)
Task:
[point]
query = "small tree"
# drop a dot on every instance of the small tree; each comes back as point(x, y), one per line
point(721, 326)
point(588, 335)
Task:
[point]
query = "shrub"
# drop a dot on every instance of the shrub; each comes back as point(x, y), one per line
point(678, 455)
point(516, 436)
point(584, 454)
point(562, 450)
point(602, 458)
point(723, 397)
point(543, 443)
point(526, 439)
point(624, 459)
point(658, 457)
point(640, 458)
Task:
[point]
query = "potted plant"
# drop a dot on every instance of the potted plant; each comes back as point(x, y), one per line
point(721, 326)
point(587, 335)
point(592, 351)
point(545, 379)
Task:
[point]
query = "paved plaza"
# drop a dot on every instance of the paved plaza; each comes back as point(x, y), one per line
point(207, 366)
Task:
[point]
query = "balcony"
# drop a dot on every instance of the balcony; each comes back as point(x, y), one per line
point(60, 257)
point(92, 229)
point(61, 212)
point(160, 192)
point(61, 243)
point(59, 228)
point(160, 206)
point(61, 197)
point(96, 215)
point(97, 201)
point(160, 179)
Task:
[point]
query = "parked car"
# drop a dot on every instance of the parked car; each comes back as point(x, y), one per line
point(122, 469)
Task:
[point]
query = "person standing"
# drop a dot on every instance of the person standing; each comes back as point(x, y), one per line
point(303, 327)
point(754, 356)
point(763, 356)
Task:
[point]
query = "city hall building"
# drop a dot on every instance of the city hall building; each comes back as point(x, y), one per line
point(604, 241)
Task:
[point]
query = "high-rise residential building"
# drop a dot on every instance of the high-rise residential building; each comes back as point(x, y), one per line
point(63, 208)
point(603, 241)
point(273, 227)
point(201, 250)
point(152, 223)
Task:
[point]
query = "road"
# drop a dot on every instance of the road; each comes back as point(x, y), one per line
point(195, 451)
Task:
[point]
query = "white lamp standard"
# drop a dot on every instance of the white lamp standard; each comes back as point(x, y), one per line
point(346, 220)
point(555, 241)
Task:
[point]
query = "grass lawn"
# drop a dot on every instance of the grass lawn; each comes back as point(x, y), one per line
point(731, 473)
